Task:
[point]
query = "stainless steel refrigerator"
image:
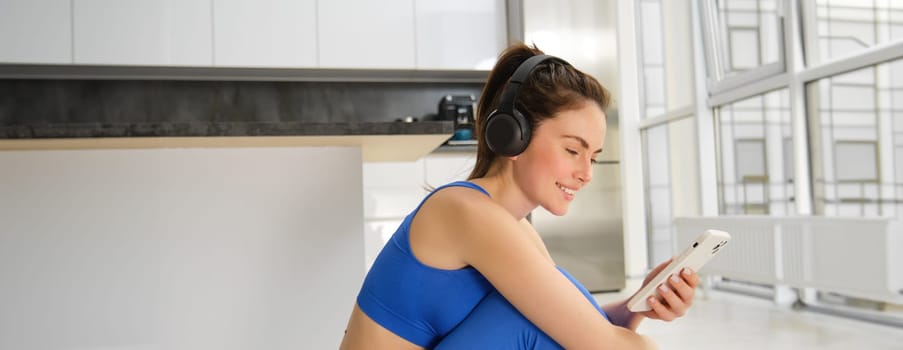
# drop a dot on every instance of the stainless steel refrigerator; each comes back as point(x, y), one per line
point(588, 241)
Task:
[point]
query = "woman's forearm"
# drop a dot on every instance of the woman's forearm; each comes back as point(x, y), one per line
point(621, 316)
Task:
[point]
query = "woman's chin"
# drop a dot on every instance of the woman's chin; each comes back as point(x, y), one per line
point(556, 210)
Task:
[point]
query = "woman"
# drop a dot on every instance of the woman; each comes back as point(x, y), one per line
point(467, 270)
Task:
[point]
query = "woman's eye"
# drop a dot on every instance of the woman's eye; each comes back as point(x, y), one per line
point(573, 152)
point(594, 161)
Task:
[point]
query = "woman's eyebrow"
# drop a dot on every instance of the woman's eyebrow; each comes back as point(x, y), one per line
point(582, 142)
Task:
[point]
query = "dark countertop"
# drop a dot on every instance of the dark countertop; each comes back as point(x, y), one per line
point(222, 129)
point(54, 114)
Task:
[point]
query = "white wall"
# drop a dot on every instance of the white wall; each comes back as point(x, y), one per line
point(255, 248)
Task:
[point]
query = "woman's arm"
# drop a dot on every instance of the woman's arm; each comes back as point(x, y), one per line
point(492, 241)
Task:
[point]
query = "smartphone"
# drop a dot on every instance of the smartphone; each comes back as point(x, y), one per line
point(697, 254)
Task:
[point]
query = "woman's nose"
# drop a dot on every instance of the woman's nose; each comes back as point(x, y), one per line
point(585, 174)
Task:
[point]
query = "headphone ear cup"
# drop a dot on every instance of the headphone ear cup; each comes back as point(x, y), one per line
point(526, 132)
point(507, 134)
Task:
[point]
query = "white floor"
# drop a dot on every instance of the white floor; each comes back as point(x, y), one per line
point(727, 320)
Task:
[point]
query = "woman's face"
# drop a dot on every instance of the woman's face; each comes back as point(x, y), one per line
point(558, 162)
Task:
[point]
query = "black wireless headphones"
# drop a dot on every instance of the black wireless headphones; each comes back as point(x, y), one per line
point(507, 131)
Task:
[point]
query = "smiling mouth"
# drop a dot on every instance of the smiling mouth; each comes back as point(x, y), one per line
point(566, 190)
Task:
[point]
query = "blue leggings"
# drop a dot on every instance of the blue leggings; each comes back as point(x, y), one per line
point(496, 324)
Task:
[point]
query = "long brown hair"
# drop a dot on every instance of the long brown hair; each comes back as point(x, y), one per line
point(551, 88)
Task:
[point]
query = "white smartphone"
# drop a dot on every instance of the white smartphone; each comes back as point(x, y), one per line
point(697, 254)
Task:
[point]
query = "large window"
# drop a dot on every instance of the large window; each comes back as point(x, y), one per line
point(856, 140)
point(756, 155)
point(792, 107)
point(827, 102)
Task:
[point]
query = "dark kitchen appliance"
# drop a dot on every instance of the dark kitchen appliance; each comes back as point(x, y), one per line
point(460, 110)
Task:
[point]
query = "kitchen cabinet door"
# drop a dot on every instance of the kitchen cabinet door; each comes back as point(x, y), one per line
point(442, 168)
point(392, 189)
point(463, 34)
point(366, 34)
point(142, 32)
point(265, 33)
point(35, 31)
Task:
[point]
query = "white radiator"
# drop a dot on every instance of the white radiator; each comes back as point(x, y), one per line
point(853, 256)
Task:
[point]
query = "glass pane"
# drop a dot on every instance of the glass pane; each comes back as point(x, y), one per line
point(898, 184)
point(856, 128)
point(671, 187)
point(651, 31)
point(750, 155)
point(744, 57)
point(859, 160)
point(658, 192)
point(788, 159)
point(684, 174)
point(654, 90)
point(845, 27)
point(750, 33)
point(665, 51)
point(652, 52)
point(754, 136)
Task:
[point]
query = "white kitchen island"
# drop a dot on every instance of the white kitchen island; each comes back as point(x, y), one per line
point(185, 243)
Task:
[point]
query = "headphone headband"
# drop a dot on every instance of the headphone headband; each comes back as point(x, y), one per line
point(509, 95)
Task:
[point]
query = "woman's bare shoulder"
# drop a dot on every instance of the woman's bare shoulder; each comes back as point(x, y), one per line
point(449, 221)
point(468, 219)
point(462, 207)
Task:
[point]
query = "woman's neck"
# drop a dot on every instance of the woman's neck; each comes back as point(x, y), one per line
point(504, 191)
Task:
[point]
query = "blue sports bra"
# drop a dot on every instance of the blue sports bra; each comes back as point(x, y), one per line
point(417, 302)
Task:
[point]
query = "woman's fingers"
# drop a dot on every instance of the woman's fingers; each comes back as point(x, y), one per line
point(660, 309)
point(690, 277)
point(672, 300)
point(675, 296)
point(684, 288)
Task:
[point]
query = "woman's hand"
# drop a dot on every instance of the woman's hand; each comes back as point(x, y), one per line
point(676, 294)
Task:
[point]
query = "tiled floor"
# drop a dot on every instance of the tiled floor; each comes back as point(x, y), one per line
point(731, 321)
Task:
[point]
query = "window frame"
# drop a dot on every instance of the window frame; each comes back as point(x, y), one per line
point(717, 53)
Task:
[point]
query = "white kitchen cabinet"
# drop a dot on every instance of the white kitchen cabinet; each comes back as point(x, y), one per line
point(265, 33)
point(462, 34)
point(442, 168)
point(142, 32)
point(392, 189)
point(35, 31)
point(335, 34)
point(366, 34)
